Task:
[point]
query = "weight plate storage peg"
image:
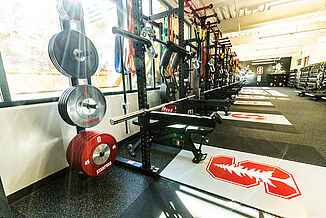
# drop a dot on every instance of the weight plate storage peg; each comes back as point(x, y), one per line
point(167, 92)
point(73, 54)
point(92, 152)
point(82, 106)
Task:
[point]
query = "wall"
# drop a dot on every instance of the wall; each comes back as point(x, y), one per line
point(281, 66)
point(34, 139)
point(316, 53)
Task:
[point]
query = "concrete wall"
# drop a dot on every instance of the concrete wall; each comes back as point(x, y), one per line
point(34, 138)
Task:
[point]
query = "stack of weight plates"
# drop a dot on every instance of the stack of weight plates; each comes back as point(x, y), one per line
point(73, 54)
point(92, 152)
point(167, 92)
point(82, 106)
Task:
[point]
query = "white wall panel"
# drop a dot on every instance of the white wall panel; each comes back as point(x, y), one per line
point(33, 139)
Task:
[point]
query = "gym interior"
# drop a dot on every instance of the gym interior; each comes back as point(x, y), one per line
point(163, 108)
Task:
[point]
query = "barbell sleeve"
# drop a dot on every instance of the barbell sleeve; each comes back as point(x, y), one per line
point(126, 117)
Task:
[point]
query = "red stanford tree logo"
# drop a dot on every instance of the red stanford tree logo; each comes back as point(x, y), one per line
point(277, 181)
point(249, 116)
point(260, 70)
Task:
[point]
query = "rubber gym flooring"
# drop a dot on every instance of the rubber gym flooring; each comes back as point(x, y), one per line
point(122, 192)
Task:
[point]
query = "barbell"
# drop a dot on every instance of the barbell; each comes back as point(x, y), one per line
point(135, 114)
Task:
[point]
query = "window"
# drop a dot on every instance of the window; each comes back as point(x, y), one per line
point(26, 28)
point(100, 17)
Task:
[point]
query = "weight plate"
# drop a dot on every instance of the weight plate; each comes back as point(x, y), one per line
point(62, 105)
point(167, 92)
point(170, 109)
point(73, 54)
point(70, 9)
point(83, 106)
point(92, 152)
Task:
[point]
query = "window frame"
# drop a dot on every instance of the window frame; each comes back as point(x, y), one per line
point(6, 94)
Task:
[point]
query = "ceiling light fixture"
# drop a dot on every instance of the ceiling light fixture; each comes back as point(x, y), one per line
point(263, 63)
point(287, 4)
point(267, 59)
point(272, 48)
point(292, 33)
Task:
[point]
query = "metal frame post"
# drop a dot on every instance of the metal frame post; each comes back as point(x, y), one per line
point(141, 84)
point(216, 65)
point(182, 91)
point(206, 62)
point(5, 92)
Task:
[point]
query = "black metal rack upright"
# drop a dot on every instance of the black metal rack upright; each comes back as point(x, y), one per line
point(207, 70)
point(138, 19)
point(216, 77)
point(141, 84)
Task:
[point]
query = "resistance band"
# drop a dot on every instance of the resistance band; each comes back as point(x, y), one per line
point(131, 64)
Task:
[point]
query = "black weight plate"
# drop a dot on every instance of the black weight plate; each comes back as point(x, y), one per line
point(62, 105)
point(61, 101)
point(70, 9)
point(167, 92)
point(73, 54)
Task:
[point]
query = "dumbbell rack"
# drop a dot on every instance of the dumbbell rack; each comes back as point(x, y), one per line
point(303, 78)
point(292, 78)
point(317, 82)
point(312, 79)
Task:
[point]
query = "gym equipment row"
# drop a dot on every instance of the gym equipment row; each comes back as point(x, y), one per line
point(183, 112)
point(176, 120)
point(312, 81)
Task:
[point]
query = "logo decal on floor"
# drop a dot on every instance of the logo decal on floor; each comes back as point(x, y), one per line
point(247, 102)
point(277, 181)
point(249, 116)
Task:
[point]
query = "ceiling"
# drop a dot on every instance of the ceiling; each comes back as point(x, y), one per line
point(271, 28)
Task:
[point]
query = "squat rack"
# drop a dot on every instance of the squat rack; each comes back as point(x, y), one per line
point(144, 119)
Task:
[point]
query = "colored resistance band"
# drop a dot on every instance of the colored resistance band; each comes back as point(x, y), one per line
point(131, 64)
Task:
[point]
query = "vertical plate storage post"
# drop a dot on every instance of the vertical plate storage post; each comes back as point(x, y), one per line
point(65, 25)
point(141, 84)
